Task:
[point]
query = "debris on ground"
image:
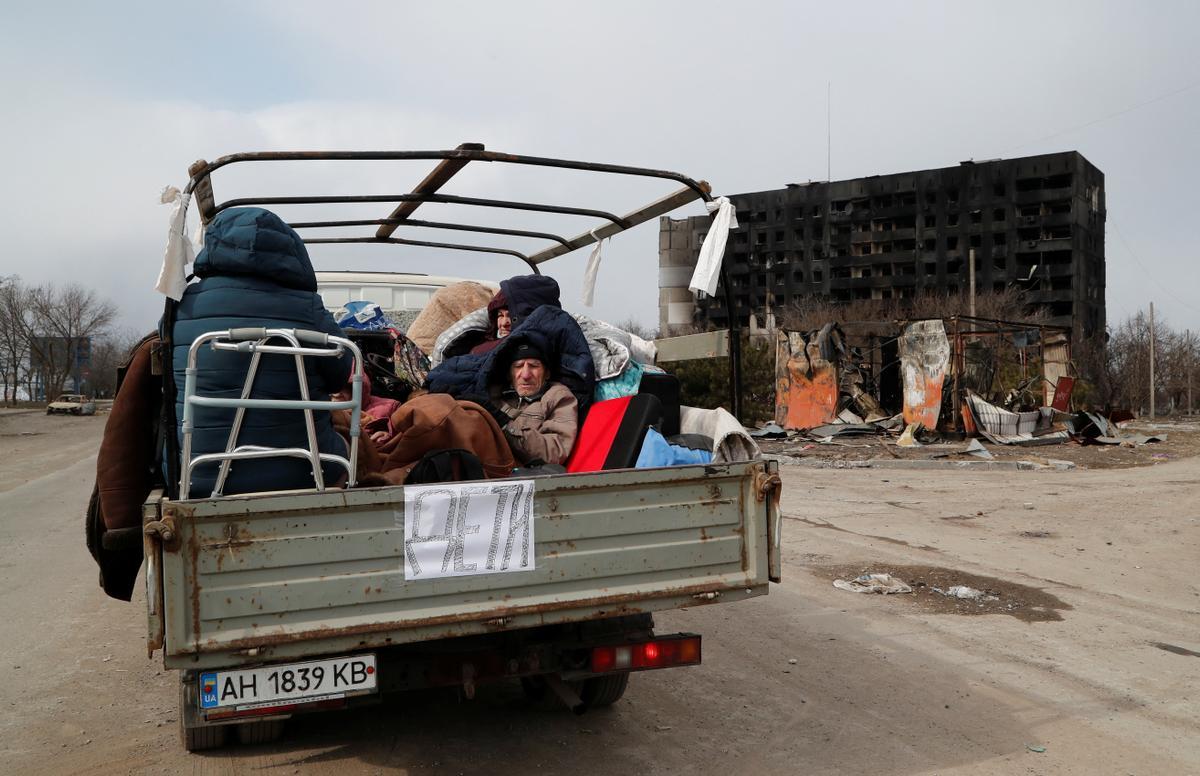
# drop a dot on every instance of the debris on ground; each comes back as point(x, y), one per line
point(931, 584)
point(838, 429)
point(976, 448)
point(769, 430)
point(909, 437)
point(1005, 427)
point(849, 448)
point(873, 583)
point(966, 593)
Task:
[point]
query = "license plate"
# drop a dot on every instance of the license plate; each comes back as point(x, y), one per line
point(288, 683)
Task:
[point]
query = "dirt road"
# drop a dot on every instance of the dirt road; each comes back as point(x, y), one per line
point(1089, 653)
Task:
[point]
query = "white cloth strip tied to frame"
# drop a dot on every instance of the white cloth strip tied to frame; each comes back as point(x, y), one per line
point(593, 269)
point(172, 278)
point(712, 252)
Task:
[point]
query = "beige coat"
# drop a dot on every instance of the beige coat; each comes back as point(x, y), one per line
point(542, 427)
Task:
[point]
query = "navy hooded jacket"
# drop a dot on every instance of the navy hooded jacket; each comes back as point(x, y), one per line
point(552, 331)
point(255, 271)
point(526, 293)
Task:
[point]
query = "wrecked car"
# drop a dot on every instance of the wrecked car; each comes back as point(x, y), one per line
point(71, 404)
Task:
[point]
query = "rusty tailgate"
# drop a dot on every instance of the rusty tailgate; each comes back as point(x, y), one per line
point(292, 575)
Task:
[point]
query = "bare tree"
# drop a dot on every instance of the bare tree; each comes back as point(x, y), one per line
point(1128, 364)
point(635, 327)
point(14, 341)
point(59, 322)
point(108, 353)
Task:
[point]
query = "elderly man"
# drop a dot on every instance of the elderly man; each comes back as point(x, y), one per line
point(542, 415)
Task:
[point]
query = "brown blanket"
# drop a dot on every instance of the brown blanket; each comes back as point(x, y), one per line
point(437, 421)
point(446, 307)
point(124, 474)
point(123, 467)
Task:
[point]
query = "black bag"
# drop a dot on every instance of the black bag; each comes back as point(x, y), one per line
point(385, 383)
point(452, 465)
point(666, 388)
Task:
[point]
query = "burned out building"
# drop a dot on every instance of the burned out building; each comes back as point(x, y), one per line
point(1035, 224)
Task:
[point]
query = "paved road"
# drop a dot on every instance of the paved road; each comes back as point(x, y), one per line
point(1101, 673)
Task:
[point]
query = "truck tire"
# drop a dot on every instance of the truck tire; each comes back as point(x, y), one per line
point(198, 739)
point(603, 690)
point(534, 688)
point(260, 732)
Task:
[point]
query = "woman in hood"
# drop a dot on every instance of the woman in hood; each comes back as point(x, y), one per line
point(499, 324)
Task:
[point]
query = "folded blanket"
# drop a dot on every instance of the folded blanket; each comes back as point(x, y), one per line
point(730, 440)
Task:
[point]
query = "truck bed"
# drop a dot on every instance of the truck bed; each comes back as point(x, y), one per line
point(284, 576)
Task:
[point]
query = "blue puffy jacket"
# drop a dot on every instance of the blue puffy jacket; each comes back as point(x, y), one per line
point(255, 271)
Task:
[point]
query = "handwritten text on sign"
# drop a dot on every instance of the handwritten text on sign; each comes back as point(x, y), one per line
point(461, 529)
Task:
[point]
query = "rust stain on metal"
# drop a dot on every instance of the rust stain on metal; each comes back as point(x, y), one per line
point(178, 509)
point(194, 563)
point(765, 483)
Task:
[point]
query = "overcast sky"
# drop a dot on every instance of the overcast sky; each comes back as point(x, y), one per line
point(103, 107)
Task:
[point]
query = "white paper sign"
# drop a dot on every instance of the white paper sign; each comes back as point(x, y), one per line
point(459, 529)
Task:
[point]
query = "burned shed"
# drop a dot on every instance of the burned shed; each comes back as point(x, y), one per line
point(924, 370)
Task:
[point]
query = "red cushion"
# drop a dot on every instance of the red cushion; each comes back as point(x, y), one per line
point(597, 435)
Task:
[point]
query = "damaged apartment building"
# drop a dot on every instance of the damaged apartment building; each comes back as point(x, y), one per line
point(1035, 224)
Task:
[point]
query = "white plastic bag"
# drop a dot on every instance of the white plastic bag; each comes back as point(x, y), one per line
point(712, 252)
point(873, 583)
point(172, 278)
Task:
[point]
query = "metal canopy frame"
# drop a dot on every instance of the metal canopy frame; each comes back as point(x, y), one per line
point(449, 163)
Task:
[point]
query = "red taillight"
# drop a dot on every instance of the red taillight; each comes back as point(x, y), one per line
point(659, 653)
point(603, 659)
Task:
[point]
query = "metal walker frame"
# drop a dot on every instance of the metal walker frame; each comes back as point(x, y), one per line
point(254, 341)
